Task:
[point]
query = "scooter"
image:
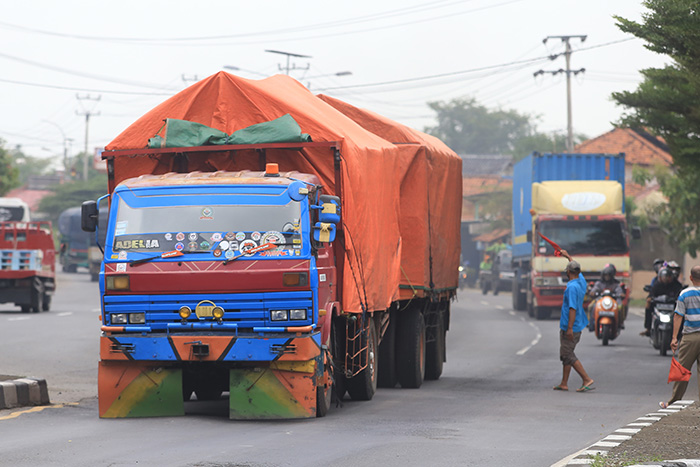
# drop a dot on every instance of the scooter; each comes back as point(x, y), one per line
point(606, 317)
point(662, 323)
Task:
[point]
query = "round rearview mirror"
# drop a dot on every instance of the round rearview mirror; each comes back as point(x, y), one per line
point(297, 190)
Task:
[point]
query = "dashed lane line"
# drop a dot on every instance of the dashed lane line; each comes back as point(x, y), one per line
point(19, 318)
point(538, 336)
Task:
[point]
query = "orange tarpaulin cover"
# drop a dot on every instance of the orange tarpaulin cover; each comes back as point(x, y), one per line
point(373, 171)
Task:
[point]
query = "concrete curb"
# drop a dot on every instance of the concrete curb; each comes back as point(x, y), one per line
point(585, 456)
point(23, 392)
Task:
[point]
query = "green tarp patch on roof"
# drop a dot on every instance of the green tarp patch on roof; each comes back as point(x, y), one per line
point(182, 133)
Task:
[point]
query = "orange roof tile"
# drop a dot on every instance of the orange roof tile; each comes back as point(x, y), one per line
point(478, 185)
point(639, 146)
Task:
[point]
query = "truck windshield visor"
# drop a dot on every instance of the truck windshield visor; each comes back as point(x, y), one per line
point(223, 229)
point(584, 237)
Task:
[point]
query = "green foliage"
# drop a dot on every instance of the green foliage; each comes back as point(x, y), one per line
point(622, 460)
point(73, 194)
point(497, 208)
point(470, 128)
point(668, 103)
point(28, 166)
point(9, 175)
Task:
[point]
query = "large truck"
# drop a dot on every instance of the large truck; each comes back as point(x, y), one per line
point(577, 201)
point(27, 265)
point(245, 257)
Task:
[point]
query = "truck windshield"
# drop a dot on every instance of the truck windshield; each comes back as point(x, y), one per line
point(601, 237)
point(198, 227)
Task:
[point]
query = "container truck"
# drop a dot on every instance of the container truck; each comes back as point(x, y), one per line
point(245, 257)
point(577, 201)
point(27, 265)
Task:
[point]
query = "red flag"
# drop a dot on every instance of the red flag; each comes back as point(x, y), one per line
point(557, 248)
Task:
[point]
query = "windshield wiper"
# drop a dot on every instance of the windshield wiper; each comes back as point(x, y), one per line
point(167, 254)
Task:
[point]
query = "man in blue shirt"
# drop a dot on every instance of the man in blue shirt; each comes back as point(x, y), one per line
point(573, 320)
point(688, 316)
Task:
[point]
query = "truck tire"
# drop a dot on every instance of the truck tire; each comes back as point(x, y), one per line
point(338, 350)
point(542, 313)
point(363, 385)
point(411, 348)
point(47, 302)
point(387, 377)
point(519, 298)
point(37, 296)
point(324, 395)
point(435, 351)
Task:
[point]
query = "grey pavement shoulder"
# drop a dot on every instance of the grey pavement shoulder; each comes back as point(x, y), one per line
point(619, 436)
point(23, 392)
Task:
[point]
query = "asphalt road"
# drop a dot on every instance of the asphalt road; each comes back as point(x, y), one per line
point(493, 406)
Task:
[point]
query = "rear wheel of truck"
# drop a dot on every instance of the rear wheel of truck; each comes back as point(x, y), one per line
point(37, 296)
point(435, 351)
point(338, 350)
point(410, 348)
point(47, 302)
point(387, 377)
point(324, 393)
point(542, 312)
point(363, 385)
point(519, 298)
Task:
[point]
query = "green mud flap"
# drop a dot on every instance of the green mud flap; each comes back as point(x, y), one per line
point(132, 389)
point(282, 390)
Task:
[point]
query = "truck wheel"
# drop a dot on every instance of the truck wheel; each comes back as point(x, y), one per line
point(37, 297)
point(542, 312)
point(363, 385)
point(387, 377)
point(26, 308)
point(338, 349)
point(519, 298)
point(324, 394)
point(435, 351)
point(411, 348)
point(46, 306)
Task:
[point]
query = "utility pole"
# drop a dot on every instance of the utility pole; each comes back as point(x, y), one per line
point(289, 54)
point(566, 40)
point(87, 114)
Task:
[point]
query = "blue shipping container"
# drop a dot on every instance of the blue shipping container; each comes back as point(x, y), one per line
point(538, 167)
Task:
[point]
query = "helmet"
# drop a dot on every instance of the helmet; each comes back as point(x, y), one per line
point(675, 269)
point(658, 262)
point(665, 275)
point(609, 271)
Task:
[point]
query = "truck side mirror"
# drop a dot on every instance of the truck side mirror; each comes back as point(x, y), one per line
point(324, 232)
point(636, 233)
point(88, 216)
point(330, 209)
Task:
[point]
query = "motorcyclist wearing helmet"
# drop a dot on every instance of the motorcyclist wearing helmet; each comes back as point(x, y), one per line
point(675, 268)
point(667, 284)
point(607, 281)
point(658, 264)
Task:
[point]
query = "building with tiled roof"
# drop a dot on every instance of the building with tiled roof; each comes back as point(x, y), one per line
point(640, 147)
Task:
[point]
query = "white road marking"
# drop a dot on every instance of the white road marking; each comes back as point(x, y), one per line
point(499, 307)
point(512, 313)
point(485, 303)
point(65, 313)
point(19, 318)
point(538, 336)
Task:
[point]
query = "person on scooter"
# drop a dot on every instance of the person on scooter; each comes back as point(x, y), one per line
point(667, 285)
point(675, 268)
point(607, 281)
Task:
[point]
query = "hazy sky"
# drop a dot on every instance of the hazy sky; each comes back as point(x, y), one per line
point(132, 55)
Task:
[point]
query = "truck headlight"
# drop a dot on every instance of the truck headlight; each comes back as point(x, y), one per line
point(217, 312)
point(117, 282)
point(279, 315)
point(298, 315)
point(118, 318)
point(137, 318)
point(185, 312)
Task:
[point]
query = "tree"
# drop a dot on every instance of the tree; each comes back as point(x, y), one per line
point(9, 175)
point(667, 102)
point(470, 128)
point(72, 194)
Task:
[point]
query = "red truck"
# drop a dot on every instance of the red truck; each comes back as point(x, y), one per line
point(277, 266)
point(27, 265)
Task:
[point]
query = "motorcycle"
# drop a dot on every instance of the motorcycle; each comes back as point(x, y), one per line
point(462, 277)
point(661, 330)
point(606, 317)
